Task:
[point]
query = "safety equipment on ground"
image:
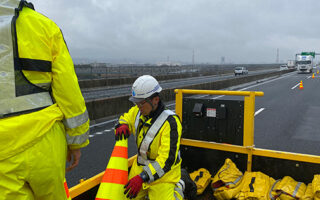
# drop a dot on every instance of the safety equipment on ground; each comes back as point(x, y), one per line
point(122, 131)
point(301, 85)
point(116, 173)
point(202, 178)
point(227, 182)
point(190, 188)
point(308, 195)
point(133, 186)
point(18, 95)
point(144, 87)
point(288, 189)
point(255, 186)
point(316, 186)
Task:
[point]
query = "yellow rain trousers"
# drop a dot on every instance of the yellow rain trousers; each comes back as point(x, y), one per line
point(256, 186)
point(202, 178)
point(308, 195)
point(316, 186)
point(25, 176)
point(288, 189)
point(227, 183)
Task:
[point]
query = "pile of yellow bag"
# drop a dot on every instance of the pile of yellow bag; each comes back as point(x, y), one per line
point(229, 182)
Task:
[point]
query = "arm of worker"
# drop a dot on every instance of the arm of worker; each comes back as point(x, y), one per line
point(66, 93)
point(168, 150)
point(125, 125)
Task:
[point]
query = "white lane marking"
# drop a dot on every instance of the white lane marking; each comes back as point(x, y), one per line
point(99, 133)
point(106, 122)
point(259, 111)
point(91, 135)
point(107, 130)
point(295, 86)
point(308, 77)
point(218, 97)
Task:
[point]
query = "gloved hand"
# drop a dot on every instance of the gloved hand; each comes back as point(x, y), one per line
point(133, 187)
point(122, 131)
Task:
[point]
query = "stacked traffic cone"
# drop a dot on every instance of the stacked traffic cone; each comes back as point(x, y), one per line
point(313, 75)
point(66, 189)
point(116, 174)
point(318, 72)
point(301, 85)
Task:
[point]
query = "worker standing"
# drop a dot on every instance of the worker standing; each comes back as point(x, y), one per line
point(157, 169)
point(43, 117)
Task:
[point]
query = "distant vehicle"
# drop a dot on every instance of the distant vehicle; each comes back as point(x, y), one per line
point(291, 64)
point(304, 63)
point(240, 71)
point(283, 67)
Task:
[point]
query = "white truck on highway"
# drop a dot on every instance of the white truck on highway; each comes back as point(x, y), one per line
point(304, 63)
point(291, 64)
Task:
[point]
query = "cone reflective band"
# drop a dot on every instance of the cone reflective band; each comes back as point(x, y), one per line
point(66, 189)
point(116, 174)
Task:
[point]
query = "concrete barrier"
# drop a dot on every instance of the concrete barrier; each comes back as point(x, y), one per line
point(100, 108)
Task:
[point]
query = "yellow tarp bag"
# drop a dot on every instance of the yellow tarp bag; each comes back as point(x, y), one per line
point(256, 186)
point(226, 184)
point(202, 179)
point(308, 195)
point(289, 189)
point(316, 186)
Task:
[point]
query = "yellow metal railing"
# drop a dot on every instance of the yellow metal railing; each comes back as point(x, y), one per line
point(248, 130)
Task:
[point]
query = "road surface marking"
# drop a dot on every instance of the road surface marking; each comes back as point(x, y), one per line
point(259, 111)
point(295, 86)
point(308, 77)
point(99, 133)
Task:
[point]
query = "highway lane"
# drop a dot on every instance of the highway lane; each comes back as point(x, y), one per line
point(104, 92)
point(286, 119)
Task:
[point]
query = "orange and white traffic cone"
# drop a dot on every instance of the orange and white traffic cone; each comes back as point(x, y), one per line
point(301, 85)
point(313, 75)
point(116, 174)
point(66, 189)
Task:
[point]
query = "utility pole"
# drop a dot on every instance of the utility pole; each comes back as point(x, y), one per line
point(277, 60)
point(193, 66)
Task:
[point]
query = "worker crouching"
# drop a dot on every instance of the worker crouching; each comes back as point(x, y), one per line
point(157, 131)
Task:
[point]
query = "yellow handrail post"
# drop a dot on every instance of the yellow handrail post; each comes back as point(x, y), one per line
point(248, 126)
point(179, 97)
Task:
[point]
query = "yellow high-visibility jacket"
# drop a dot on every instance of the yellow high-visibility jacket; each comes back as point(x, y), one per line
point(40, 45)
point(163, 158)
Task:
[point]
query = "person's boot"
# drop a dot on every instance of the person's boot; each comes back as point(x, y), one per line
point(189, 187)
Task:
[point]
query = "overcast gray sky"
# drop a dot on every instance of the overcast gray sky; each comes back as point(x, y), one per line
point(243, 31)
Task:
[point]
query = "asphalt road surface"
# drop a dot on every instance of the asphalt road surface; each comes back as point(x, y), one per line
point(286, 119)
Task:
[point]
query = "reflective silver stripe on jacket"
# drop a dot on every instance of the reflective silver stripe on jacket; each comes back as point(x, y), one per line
point(156, 166)
point(77, 120)
point(270, 193)
point(296, 189)
point(155, 127)
point(9, 102)
point(136, 123)
point(78, 139)
point(179, 188)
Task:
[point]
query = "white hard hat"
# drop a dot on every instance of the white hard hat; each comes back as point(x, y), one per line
point(144, 87)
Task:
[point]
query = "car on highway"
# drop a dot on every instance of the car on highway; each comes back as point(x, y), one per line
point(283, 67)
point(240, 71)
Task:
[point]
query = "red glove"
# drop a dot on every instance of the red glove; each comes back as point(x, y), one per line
point(133, 187)
point(122, 130)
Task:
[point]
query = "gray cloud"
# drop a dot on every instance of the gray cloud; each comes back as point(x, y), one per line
point(244, 31)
